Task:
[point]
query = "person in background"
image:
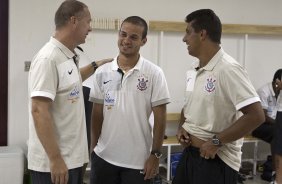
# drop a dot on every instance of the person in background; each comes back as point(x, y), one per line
point(221, 106)
point(277, 139)
point(268, 95)
point(57, 145)
point(126, 91)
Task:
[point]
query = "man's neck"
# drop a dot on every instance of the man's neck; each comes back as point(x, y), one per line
point(208, 55)
point(65, 39)
point(127, 62)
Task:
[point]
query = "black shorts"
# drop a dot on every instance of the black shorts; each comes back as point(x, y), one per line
point(103, 172)
point(194, 169)
point(277, 139)
point(264, 132)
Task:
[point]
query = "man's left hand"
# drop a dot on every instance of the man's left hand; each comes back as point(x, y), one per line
point(208, 150)
point(151, 167)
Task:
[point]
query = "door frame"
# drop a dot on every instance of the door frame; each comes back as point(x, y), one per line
point(4, 35)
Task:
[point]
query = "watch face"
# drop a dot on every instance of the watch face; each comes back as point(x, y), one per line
point(158, 155)
point(215, 141)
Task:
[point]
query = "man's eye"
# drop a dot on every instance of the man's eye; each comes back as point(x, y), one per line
point(122, 34)
point(134, 38)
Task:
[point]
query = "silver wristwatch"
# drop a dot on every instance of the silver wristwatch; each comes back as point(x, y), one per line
point(216, 141)
point(157, 154)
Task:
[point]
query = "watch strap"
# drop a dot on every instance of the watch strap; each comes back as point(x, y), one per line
point(94, 64)
point(156, 153)
point(216, 141)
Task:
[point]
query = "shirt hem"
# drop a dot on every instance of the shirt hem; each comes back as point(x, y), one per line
point(120, 164)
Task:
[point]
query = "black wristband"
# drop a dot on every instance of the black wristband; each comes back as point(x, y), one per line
point(157, 153)
point(94, 64)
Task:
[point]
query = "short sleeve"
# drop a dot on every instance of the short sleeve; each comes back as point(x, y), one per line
point(43, 78)
point(239, 86)
point(160, 93)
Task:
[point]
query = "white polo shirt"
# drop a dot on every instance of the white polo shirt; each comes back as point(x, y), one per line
point(53, 74)
point(126, 136)
point(268, 99)
point(279, 101)
point(214, 96)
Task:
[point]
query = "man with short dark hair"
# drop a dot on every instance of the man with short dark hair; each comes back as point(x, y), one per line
point(126, 91)
point(268, 94)
point(218, 90)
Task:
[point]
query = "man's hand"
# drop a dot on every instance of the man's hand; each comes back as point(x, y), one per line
point(183, 137)
point(59, 171)
point(208, 150)
point(151, 167)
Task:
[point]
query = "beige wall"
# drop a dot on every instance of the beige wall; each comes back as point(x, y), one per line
point(31, 25)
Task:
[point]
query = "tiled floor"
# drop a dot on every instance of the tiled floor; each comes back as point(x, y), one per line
point(255, 180)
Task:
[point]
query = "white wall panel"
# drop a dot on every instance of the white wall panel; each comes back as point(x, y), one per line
point(31, 25)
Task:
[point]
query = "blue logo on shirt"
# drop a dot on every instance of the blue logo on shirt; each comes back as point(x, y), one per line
point(74, 94)
point(109, 100)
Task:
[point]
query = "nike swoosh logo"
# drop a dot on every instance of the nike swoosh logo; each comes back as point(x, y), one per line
point(105, 82)
point(70, 72)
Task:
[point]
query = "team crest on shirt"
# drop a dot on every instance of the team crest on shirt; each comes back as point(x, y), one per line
point(74, 94)
point(142, 82)
point(210, 84)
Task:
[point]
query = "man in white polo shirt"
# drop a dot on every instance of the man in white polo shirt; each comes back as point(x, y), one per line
point(57, 146)
point(124, 95)
point(268, 94)
point(217, 90)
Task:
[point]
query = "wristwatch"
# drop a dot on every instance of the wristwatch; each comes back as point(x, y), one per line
point(216, 141)
point(157, 154)
point(94, 64)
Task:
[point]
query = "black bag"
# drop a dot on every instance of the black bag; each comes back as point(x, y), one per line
point(267, 169)
point(157, 179)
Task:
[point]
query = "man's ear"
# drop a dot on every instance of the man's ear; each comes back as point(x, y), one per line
point(144, 40)
point(204, 34)
point(73, 20)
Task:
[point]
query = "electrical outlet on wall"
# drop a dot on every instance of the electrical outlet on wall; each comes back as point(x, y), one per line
point(27, 65)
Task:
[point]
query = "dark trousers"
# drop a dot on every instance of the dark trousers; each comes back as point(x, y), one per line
point(75, 177)
point(194, 169)
point(264, 132)
point(88, 110)
point(277, 140)
point(103, 172)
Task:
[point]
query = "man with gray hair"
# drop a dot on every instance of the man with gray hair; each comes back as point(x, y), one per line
point(57, 147)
